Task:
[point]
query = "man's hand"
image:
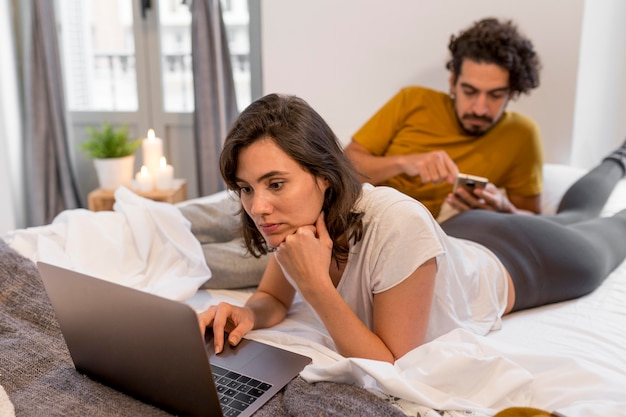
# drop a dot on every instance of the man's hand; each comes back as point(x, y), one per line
point(435, 167)
point(488, 198)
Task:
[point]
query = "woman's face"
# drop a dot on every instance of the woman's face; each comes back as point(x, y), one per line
point(276, 192)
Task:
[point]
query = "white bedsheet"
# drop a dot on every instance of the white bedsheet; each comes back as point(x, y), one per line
point(568, 357)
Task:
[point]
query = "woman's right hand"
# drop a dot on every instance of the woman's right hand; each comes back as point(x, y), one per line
point(226, 318)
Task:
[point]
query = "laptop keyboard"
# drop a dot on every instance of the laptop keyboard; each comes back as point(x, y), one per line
point(236, 391)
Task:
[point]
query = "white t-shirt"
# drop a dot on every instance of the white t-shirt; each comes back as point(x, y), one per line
point(399, 235)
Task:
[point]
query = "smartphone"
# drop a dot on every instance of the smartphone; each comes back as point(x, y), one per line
point(470, 182)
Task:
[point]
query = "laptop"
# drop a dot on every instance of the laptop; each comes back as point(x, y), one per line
point(152, 348)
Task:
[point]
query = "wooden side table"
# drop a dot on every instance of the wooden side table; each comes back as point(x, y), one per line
point(99, 199)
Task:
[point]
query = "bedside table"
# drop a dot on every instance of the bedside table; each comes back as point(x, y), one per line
point(99, 199)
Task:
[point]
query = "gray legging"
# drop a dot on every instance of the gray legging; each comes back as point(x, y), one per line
point(553, 258)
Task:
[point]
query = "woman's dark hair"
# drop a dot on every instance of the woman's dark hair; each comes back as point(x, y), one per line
point(494, 42)
point(303, 135)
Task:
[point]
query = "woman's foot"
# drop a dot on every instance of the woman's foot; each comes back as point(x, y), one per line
point(619, 155)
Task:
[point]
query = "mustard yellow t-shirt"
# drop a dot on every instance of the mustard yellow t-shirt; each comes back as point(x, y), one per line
point(418, 120)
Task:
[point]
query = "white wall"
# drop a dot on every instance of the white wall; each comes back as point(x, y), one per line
point(599, 122)
point(347, 57)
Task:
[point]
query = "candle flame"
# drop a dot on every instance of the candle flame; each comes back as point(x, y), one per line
point(151, 135)
point(162, 162)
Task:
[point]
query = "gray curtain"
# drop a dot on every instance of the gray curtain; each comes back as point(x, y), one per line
point(52, 183)
point(214, 91)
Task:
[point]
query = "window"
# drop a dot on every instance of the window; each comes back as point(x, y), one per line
point(100, 63)
point(129, 66)
point(98, 55)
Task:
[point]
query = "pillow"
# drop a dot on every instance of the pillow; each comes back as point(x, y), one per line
point(232, 267)
point(557, 178)
point(215, 223)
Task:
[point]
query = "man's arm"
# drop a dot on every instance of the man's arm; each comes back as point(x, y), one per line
point(433, 167)
point(371, 168)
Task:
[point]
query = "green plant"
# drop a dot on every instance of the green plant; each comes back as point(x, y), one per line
point(108, 142)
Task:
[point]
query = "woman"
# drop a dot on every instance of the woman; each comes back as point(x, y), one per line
point(378, 270)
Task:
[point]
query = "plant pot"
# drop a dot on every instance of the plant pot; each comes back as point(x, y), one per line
point(114, 172)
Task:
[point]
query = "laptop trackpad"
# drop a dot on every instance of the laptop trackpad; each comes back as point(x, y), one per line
point(234, 357)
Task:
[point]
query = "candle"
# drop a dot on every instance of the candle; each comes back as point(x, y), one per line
point(164, 175)
point(143, 180)
point(152, 148)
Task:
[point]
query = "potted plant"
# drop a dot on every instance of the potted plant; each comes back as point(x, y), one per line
point(113, 152)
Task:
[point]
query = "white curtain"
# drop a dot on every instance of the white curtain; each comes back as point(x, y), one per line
point(11, 187)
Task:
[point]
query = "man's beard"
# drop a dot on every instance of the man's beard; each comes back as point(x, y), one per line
point(476, 130)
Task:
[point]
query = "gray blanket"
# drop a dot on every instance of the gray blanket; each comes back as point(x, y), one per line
point(37, 372)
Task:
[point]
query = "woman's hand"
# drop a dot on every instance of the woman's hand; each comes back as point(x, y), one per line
point(306, 256)
point(225, 317)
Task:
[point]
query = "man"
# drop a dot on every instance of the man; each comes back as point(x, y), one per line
point(421, 139)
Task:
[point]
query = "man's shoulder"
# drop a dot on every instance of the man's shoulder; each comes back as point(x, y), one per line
point(517, 120)
point(516, 117)
point(415, 90)
point(519, 129)
point(416, 96)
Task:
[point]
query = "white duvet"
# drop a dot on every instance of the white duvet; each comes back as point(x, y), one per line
point(569, 357)
point(143, 244)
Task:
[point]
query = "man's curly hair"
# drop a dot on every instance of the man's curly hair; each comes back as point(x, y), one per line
point(494, 42)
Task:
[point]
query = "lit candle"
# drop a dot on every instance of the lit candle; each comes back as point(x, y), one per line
point(143, 180)
point(152, 148)
point(164, 175)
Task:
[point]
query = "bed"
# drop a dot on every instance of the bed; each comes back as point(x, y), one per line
point(568, 357)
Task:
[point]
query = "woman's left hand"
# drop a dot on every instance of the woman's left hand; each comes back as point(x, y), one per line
point(306, 256)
